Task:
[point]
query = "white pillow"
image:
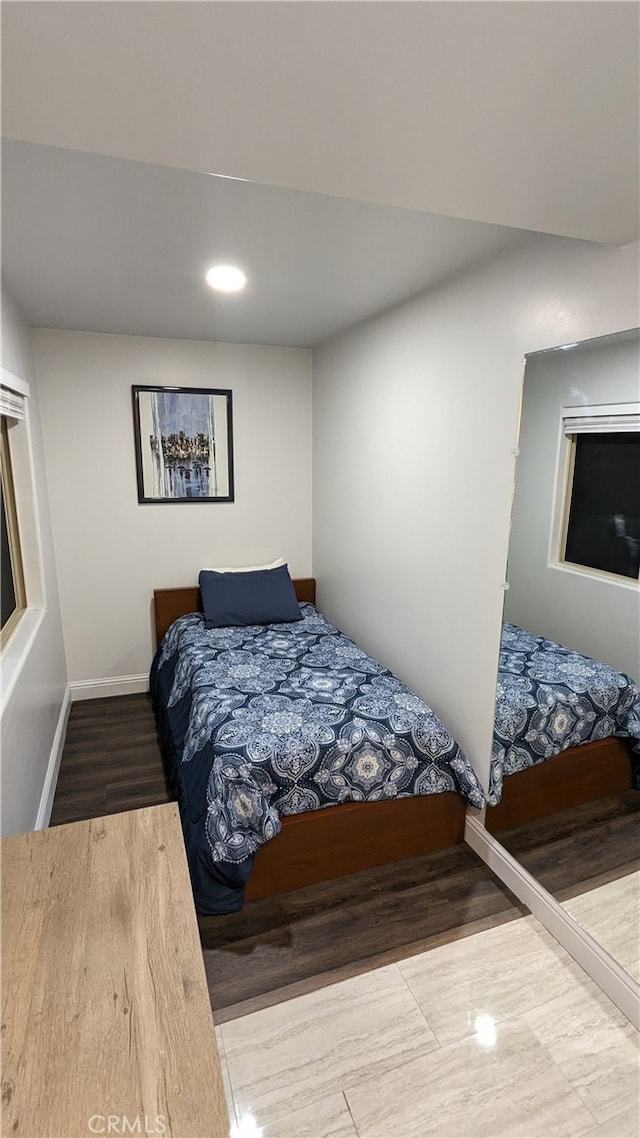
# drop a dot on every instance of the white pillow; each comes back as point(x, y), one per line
point(248, 568)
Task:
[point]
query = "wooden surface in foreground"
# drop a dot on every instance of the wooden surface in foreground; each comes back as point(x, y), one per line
point(105, 1008)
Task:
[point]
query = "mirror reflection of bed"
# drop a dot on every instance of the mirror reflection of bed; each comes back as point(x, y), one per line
point(570, 659)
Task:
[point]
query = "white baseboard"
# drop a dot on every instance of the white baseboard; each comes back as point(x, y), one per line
point(53, 766)
point(115, 685)
point(608, 974)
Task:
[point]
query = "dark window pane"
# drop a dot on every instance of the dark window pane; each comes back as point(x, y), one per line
point(604, 518)
point(7, 589)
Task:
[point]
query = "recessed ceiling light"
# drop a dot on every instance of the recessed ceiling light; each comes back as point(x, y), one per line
point(226, 278)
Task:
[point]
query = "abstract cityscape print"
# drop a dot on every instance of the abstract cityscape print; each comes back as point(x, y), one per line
point(184, 444)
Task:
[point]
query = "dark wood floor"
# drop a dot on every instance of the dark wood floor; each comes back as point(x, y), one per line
point(111, 760)
point(578, 849)
point(285, 945)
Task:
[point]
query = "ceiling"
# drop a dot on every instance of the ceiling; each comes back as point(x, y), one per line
point(514, 112)
point(107, 245)
point(347, 155)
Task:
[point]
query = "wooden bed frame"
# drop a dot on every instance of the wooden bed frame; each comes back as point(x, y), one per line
point(323, 844)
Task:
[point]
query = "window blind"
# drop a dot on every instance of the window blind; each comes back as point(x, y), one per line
point(601, 419)
point(13, 395)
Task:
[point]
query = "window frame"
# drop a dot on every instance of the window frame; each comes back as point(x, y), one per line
point(609, 418)
point(15, 399)
point(13, 534)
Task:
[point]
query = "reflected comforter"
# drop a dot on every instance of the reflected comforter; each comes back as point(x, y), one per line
point(550, 698)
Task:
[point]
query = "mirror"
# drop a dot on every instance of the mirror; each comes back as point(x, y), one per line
point(570, 659)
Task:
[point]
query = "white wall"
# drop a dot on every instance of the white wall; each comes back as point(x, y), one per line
point(415, 418)
point(112, 552)
point(595, 615)
point(34, 678)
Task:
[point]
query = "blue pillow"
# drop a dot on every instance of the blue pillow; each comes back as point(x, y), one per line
point(264, 597)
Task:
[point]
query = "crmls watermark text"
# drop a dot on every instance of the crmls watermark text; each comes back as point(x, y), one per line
point(122, 1124)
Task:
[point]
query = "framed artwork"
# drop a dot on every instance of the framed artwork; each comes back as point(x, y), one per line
point(184, 444)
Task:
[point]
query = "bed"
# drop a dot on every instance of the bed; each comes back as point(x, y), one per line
point(554, 703)
point(295, 757)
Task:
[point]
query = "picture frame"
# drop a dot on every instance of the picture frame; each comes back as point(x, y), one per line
point(183, 444)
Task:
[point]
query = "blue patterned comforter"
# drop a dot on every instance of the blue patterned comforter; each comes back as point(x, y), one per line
point(269, 720)
point(550, 698)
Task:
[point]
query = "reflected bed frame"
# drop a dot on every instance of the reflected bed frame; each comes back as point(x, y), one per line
point(323, 844)
point(574, 777)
